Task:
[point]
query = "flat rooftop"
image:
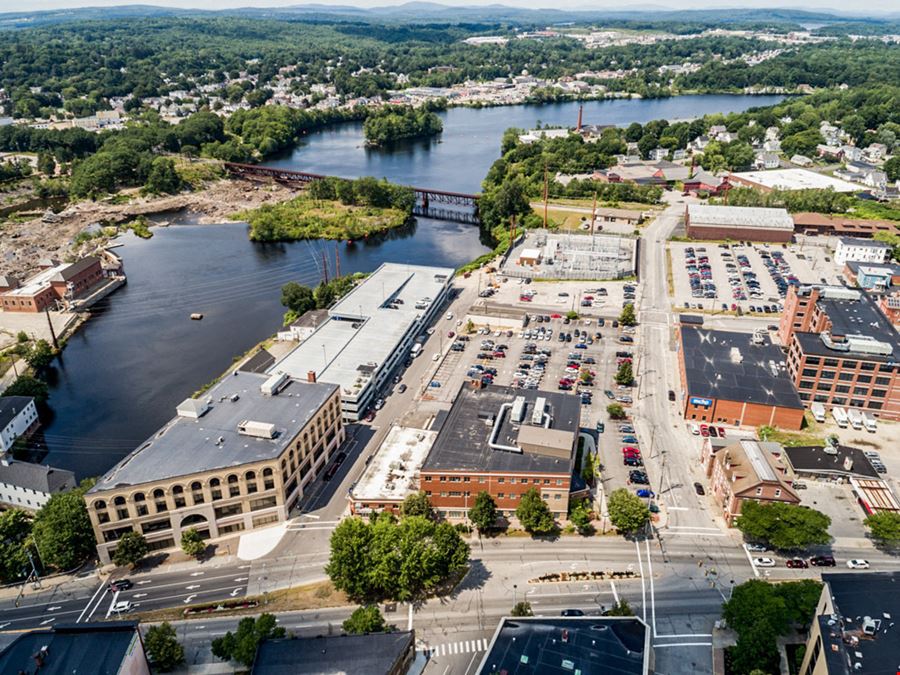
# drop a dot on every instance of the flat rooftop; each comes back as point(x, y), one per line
point(588, 645)
point(797, 179)
point(740, 216)
point(38, 282)
point(867, 243)
point(392, 474)
point(97, 648)
point(371, 654)
point(364, 328)
point(463, 439)
point(856, 596)
point(847, 461)
point(728, 365)
point(859, 316)
point(186, 446)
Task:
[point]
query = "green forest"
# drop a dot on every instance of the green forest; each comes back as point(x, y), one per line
point(393, 123)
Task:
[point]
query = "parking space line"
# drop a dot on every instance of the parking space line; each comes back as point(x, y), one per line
point(750, 559)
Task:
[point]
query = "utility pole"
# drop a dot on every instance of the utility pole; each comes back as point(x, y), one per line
point(593, 217)
point(546, 190)
point(52, 332)
point(325, 267)
point(337, 259)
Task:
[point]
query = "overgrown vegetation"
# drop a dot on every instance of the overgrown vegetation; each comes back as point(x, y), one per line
point(393, 123)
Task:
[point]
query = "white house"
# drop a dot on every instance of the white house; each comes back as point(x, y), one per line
point(18, 416)
point(860, 250)
point(28, 486)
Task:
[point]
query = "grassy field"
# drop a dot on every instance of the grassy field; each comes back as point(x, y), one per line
point(305, 218)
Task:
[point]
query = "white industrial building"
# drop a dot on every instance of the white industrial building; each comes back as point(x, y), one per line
point(369, 332)
point(851, 249)
point(18, 416)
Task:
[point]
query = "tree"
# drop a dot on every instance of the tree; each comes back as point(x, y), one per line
point(366, 619)
point(131, 549)
point(192, 542)
point(163, 648)
point(163, 177)
point(615, 411)
point(348, 565)
point(483, 513)
point(624, 375)
point(580, 515)
point(522, 608)
point(62, 529)
point(46, 164)
point(40, 355)
point(297, 298)
point(884, 527)
point(892, 239)
point(26, 385)
point(241, 645)
point(15, 527)
point(784, 526)
point(627, 317)
point(417, 504)
point(892, 168)
point(572, 315)
point(621, 608)
point(627, 512)
point(534, 514)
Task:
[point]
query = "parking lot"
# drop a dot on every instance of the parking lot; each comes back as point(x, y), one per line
point(753, 278)
point(559, 297)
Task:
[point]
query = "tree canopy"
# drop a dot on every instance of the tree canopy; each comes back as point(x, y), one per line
point(783, 526)
point(131, 549)
point(241, 645)
point(163, 648)
point(62, 529)
point(534, 514)
point(627, 512)
point(483, 512)
point(367, 619)
point(884, 527)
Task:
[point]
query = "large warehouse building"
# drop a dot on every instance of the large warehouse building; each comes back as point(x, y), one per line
point(742, 223)
point(736, 378)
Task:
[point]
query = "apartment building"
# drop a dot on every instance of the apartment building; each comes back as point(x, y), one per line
point(748, 470)
point(237, 458)
point(860, 250)
point(841, 349)
point(503, 441)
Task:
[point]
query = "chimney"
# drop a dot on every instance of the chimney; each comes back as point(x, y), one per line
point(311, 376)
point(580, 111)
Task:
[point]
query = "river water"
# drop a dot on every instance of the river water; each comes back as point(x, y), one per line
point(122, 374)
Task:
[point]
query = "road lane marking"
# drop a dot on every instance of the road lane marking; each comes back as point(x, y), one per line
point(235, 592)
point(189, 599)
point(752, 564)
point(4, 625)
point(643, 584)
point(652, 589)
point(612, 585)
point(684, 635)
point(54, 608)
point(145, 581)
point(50, 620)
point(140, 595)
point(197, 574)
point(239, 579)
point(100, 588)
point(683, 644)
point(111, 604)
point(192, 587)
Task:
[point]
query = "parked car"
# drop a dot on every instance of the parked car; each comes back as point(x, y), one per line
point(379, 404)
point(822, 561)
point(693, 428)
point(633, 461)
point(756, 548)
point(611, 396)
point(704, 431)
point(764, 562)
point(858, 564)
point(629, 439)
point(401, 388)
point(671, 395)
point(698, 488)
point(797, 563)
point(645, 494)
point(571, 612)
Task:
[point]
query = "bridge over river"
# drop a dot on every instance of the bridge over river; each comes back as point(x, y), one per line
point(430, 203)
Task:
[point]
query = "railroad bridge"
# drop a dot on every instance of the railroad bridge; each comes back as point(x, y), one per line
point(425, 197)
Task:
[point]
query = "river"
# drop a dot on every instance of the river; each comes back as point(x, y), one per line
point(122, 374)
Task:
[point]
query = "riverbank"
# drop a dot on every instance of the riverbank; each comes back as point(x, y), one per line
point(79, 229)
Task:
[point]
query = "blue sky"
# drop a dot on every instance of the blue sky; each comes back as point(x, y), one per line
point(870, 6)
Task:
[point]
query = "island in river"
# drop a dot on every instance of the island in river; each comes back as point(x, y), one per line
point(393, 123)
point(333, 208)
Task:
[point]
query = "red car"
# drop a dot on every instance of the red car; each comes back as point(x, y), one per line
point(499, 354)
point(721, 432)
point(704, 431)
point(798, 563)
point(630, 448)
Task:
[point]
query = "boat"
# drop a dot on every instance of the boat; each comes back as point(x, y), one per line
point(196, 316)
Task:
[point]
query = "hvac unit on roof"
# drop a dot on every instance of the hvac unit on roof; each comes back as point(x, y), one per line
point(537, 415)
point(256, 429)
point(518, 409)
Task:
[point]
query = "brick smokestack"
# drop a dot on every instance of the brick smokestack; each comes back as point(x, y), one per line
point(311, 376)
point(580, 112)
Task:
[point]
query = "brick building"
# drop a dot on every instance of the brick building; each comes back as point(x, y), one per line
point(735, 379)
point(748, 470)
point(504, 441)
point(742, 223)
point(52, 285)
point(236, 459)
point(841, 349)
point(872, 276)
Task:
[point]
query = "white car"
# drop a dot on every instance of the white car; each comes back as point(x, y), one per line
point(449, 316)
point(121, 606)
point(436, 357)
point(858, 564)
point(764, 562)
point(430, 331)
point(694, 429)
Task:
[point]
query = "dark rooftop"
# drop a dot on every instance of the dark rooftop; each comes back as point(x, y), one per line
point(860, 317)
point(856, 596)
point(714, 370)
point(96, 648)
point(690, 319)
point(814, 459)
point(587, 645)
point(462, 441)
point(76, 268)
point(37, 477)
point(373, 654)
point(10, 406)
point(258, 363)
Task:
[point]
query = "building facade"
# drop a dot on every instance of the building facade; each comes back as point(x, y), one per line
point(841, 349)
point(18, 417)
point(53, 285)
point(28, 486)
point(860, 250)
point(743, 223)
point(275, 438)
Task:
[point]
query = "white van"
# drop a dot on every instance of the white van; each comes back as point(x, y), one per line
point(840, 416)
point(818, 412)
point(415, 350)
point(869, 422)
point(856, 418)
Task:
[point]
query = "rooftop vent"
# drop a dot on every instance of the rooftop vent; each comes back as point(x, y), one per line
point(256, 429)
point(518, 409)
point(537, 415)
point(735, 355)
point(193, 408)
point(274, 384)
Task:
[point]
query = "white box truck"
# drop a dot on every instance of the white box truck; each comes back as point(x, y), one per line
point(818, 412)
point(869, 422)
point(840, 416)
point(855, 417)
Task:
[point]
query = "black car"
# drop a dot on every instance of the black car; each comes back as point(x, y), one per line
point(671, 395)
point(120, 585)
point(571, 612)
point(822, 561)
point(698, 488)
point(632, 461)
point(401, 388)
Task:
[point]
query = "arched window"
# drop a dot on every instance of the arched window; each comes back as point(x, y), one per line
point(234, 490)
point(99, 505)
point(140, 504)
point(177, 490)
point(268, 471)
point(268, 478)
point(232, 479)
point(196, 485)
point(159, 497)
point(215, 488)
point(119, 501)
point(178, 496)
point(139, 496)
point(214, 482)
point(250, 477)
point(159, 494)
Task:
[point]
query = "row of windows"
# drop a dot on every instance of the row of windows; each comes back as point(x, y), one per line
point(844, 389)
point(483, 479)
point(848, 364)
point(500, 495)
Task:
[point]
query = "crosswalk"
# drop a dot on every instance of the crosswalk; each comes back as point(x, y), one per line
point(460, 647)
